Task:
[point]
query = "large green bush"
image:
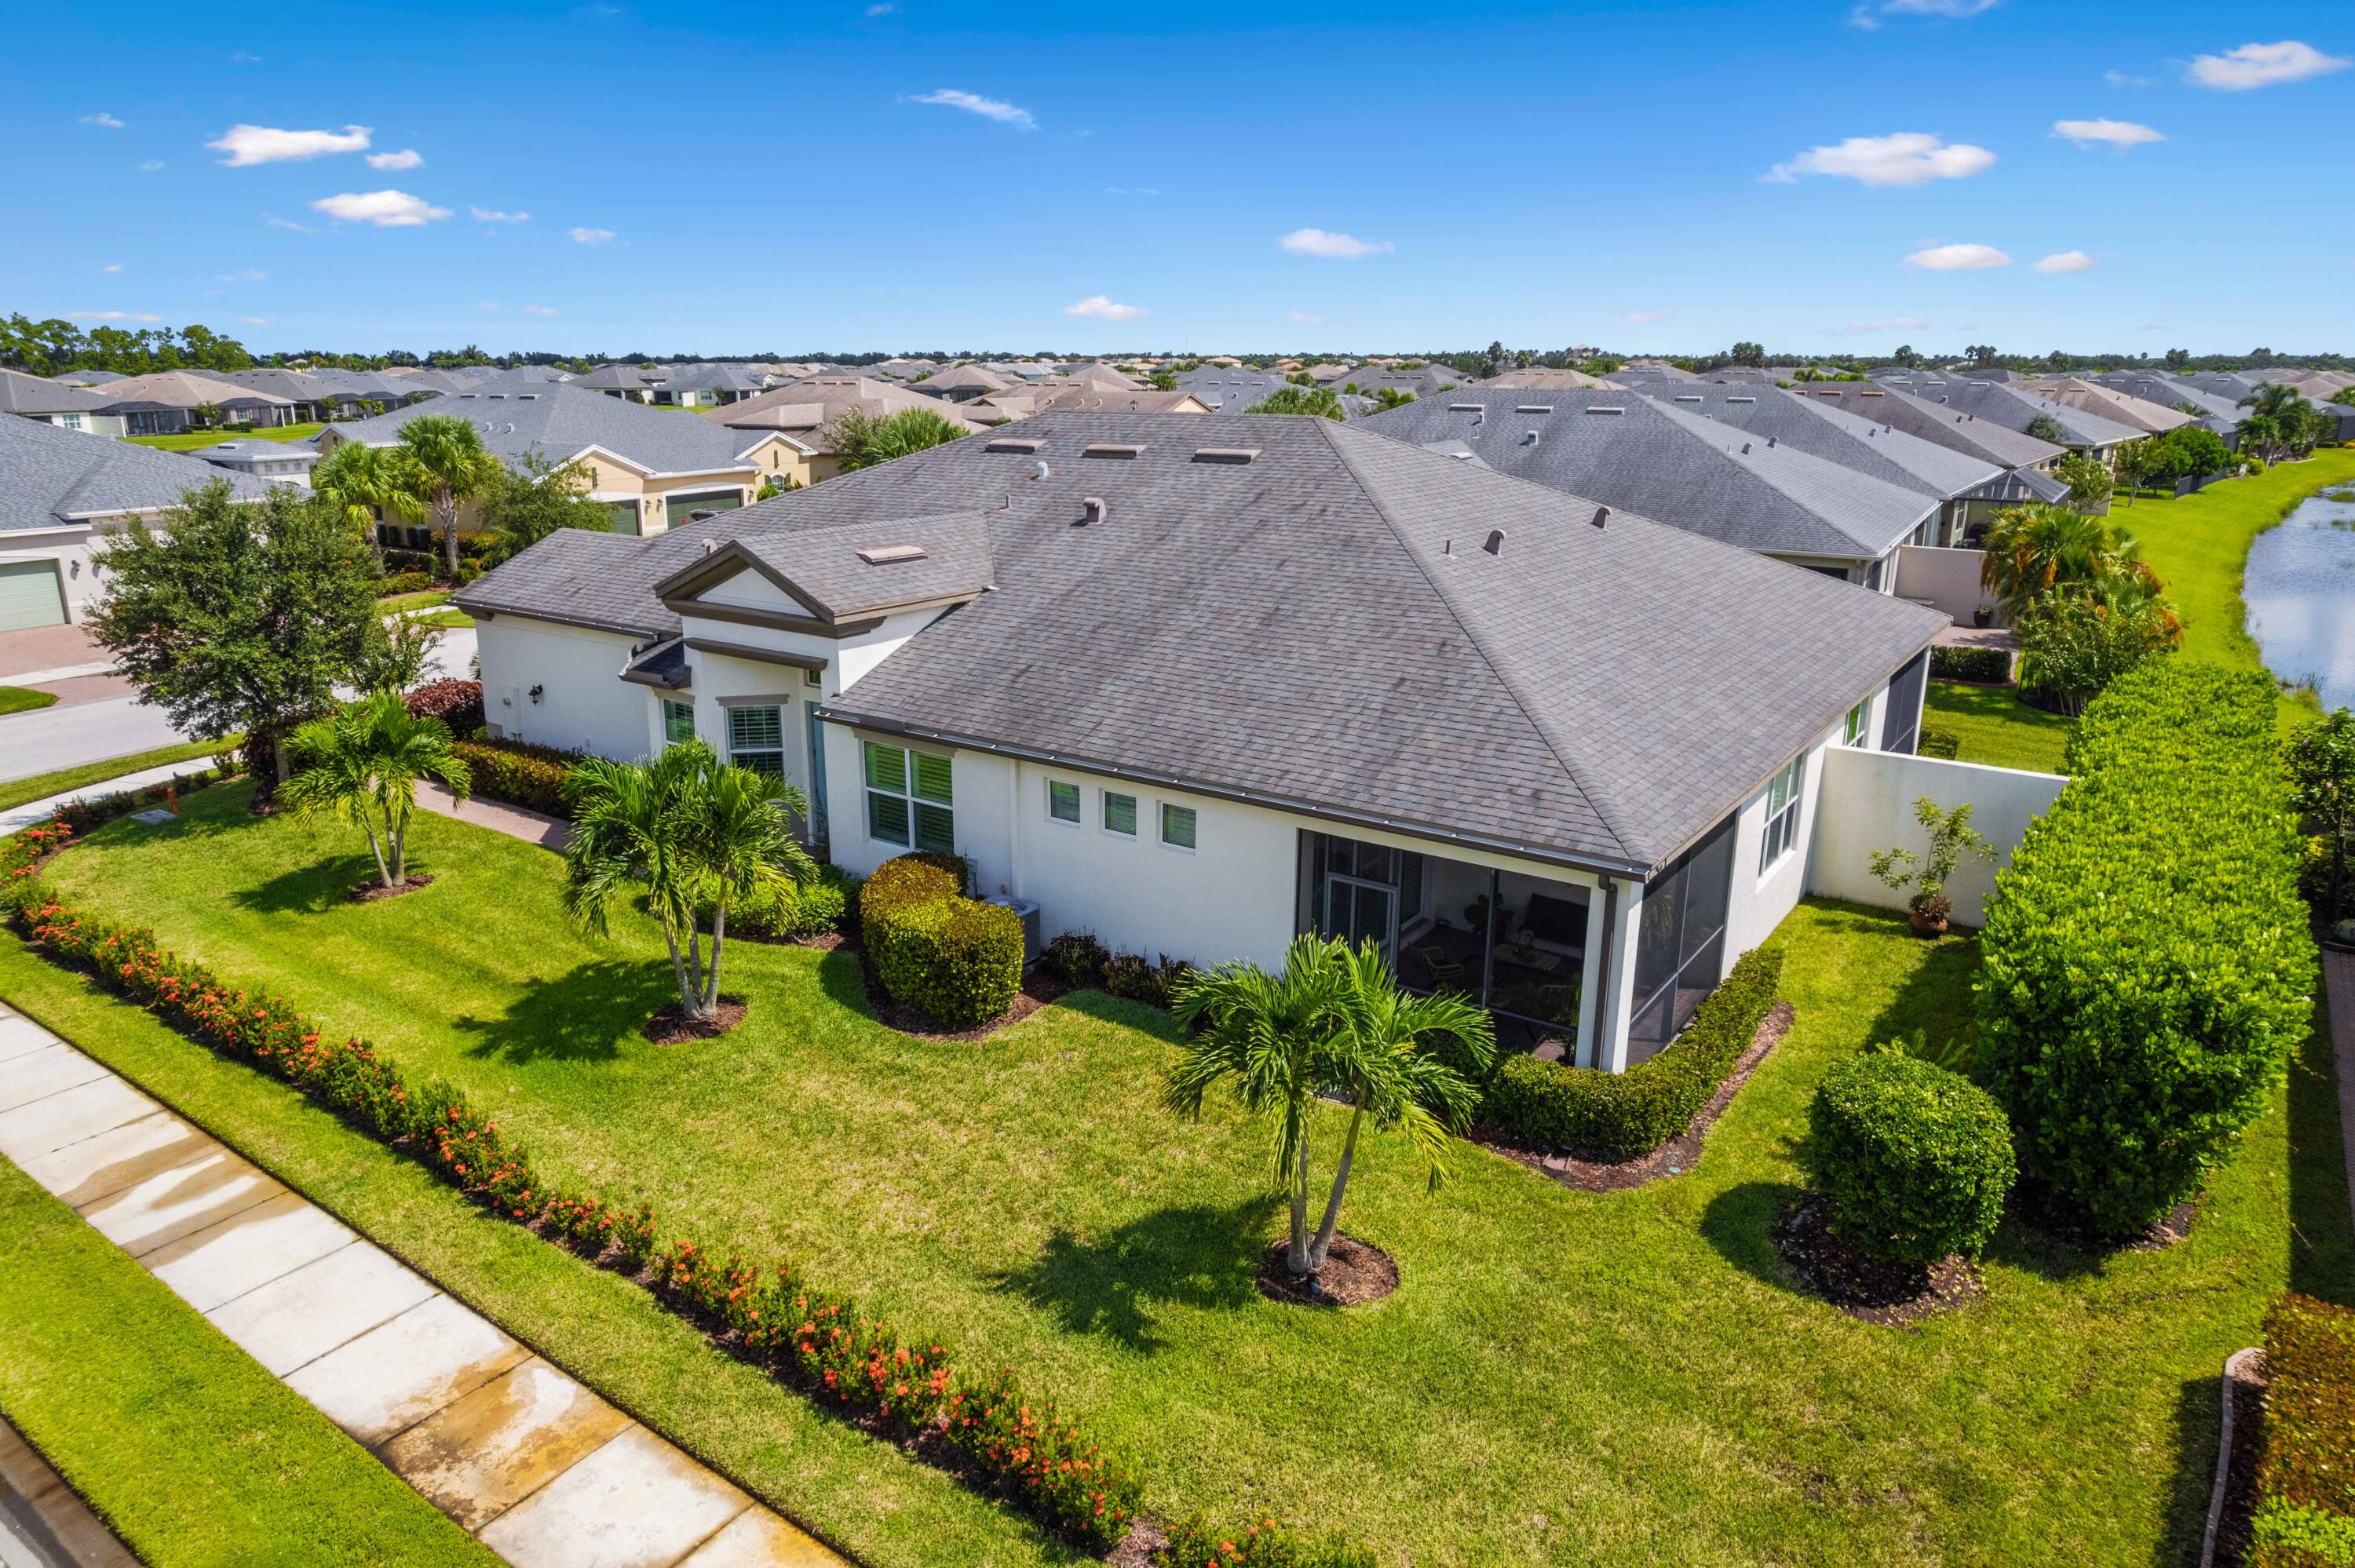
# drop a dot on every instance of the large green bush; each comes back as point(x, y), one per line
point(518, 773)
point(2148, 966)
point(1911, 1160)
point(957, 961)
point(1619, 1115)
point(792, 910)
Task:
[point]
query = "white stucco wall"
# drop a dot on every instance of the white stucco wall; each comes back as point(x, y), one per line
point(1942, 578)
point(1868, 804)
point(584, 703)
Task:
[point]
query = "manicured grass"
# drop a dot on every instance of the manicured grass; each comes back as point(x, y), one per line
point(17, 792)
point(1562, 1376)
point(423, 598)
point(1995, 726)
point(192, 1453)
point(448, 617)
point(24, 699)
point(191, 441)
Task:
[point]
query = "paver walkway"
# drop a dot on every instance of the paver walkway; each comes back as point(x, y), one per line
point(539, 1468)
point(516, 822)
point(2338, 982)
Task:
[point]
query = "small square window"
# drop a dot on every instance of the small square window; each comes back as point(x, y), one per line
point(1177, 826)
point(679, 722)
point(1062, 800)
point(1120, 815)
point(813, 678)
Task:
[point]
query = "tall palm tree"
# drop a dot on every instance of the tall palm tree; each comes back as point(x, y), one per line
point(2277, 413)
point(1335, 1019)
point(364, 764)
point(2033, 553)
point(370, 483)
point(449, 466)
point(690, 830)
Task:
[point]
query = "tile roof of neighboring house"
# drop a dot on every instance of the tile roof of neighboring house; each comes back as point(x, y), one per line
point(1539, 379)
point(188, 389)
point(1601, 695)
point(560, 423)
point(50, 478)
point(1626, 449)
point(803, 409)
point(2110, 403)
point(1832, 433)
point(23, 394)
point(1955, 429)
point(2015, 407)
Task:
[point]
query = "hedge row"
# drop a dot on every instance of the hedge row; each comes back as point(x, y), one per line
point(2304, 1515)
point(2147, 964)
point(519, 773)
point(1991, 666)
point(950, 958)
point(1620, 1116)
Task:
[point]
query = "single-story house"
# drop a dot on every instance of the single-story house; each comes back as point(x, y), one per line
point(168, 402)
point(1538, 379)
point(1955, 429)
point(2210, 410)
point(86, 378)
point(1647, 454)
point(802, 415)
point(1046, 397)
point(286, 463)
point(2111, 403)
point(318, 396)
point(1200, 683)
point(2014, 405)
point(60, 492)
point(56, 403)
point(1422, 381)
point(963, 382)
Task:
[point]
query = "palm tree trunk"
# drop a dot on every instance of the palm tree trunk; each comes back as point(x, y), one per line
point(711, 975)
point(1323, 1244)
point(1295, 1257)
point(695, 1008)
point(447, 505)
point(679, 969)
point(369, 828)
point(397, 831)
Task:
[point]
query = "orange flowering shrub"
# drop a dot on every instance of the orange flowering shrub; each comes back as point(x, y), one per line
point(1043, 1460)
point(1197, 1543)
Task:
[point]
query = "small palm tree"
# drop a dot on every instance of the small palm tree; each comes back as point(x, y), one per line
point(1335, 1019)
point(693, 832)
point(2033, 553)
point(364, 764)
point(370, 483)
point(449, 466)
point(859, 439)
point(2275, 413)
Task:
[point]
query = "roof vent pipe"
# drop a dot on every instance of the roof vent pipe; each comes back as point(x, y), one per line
point(710, 546)
point(1041, 470)
point(1093, 509)
point(1602, 516)
point(1495, 544)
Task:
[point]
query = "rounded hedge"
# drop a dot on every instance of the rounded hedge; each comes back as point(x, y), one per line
point(958, 961)
point(1913, 1161)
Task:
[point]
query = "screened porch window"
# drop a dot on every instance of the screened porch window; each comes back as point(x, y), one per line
point(1681, 939)
point(910, 799)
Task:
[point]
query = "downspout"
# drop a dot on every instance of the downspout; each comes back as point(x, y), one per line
point(1603, 1008)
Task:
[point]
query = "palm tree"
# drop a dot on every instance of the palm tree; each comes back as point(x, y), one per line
point(860, 440)
point(694, 833)
point(370, 483)
point(2276, 414)
point(364, 764)
point(2033, 553)
point(449, 466)
point(1335, 1019)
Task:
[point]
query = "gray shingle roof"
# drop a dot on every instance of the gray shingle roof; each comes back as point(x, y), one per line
point(1957, 430)
point(23, 394)
point(2111, 403)
point(51, 477)
point(830, 572)
point(1317, 627)
point(1684, 469)
point(1832, 433)
point(803, 409)
point(520, 416)
point(187, 389)
point(2015, 407)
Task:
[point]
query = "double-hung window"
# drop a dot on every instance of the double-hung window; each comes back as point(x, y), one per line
point(1783, 813)
point(678, 721)
point(1062, 801)
point(1120, 815)
point(911, 798)
point(1852, 728)
point(756, 739)
point(1177, 826)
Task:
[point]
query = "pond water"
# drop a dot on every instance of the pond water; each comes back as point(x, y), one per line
point(2300, 589)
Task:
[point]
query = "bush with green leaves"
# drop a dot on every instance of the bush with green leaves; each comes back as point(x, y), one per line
point(2070, 649)
point(2306, 1483)
point(2147, 963)
point(1912, 1161)
point(790, 911)
point(519, 773)
point(1989, 666)
point(957, 961)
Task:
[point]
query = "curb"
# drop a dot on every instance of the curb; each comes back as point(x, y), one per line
point(2235, 1365)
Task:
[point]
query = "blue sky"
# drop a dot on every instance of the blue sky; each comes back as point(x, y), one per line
point(796, 178)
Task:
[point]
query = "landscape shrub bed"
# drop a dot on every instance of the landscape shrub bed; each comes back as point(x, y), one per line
point(1987, 666)
point(1942, 743)
point(1083, 962)
point(458, 704)
point(2305, 1514)
point(956, 961)
point(1913, 1161)
point(795, 910)
point(1623, 1116)
point(2147, 963)
point(406, 581)
point(518, 772)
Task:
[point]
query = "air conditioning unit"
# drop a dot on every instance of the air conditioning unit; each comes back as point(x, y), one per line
point(1026, 911)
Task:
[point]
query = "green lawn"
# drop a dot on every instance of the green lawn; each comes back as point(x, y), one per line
point(446, 618)
point(17, 792)
point(1563, 1377)
point(1995, 726)
point(192, 1453)
point(24, 699)
point(190, 440)
point(423, 598)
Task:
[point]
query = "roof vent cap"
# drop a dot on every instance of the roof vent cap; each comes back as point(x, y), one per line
point(1092, 510)
point(1745, 449)
point(1602, 516)
point(1528, 438)
point(1494, 543)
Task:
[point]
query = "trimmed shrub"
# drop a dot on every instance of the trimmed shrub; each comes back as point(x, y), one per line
point(1130, 978)
point(796, 910)
point(1989, 666)
point(1942, 743)
point(1078, 960)
point(956, 961)
point(458, 704)
point(518, 773)
point(1022, 1442)
point(2148, 965)
point(1620, 1116)
point(1911, 1160)
point(404, 582)
point(2305, 1472)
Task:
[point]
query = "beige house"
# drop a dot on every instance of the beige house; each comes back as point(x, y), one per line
point(793, 422)
point(1041, 396)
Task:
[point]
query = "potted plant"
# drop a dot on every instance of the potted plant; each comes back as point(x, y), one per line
point(1950, 838)
point(1982, 615)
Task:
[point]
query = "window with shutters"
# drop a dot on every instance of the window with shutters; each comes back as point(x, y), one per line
point(911, 798)
point(756, 739)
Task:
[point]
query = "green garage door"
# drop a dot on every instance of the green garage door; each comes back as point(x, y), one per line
point(29, 595)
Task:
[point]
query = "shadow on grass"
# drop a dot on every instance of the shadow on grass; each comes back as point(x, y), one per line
point(1740, 1224)
point(2322, 1230)
point(1190, 1256)
point(1936, 1000)
point(2199, 1425)
point(581, 1015)
point(311, 889)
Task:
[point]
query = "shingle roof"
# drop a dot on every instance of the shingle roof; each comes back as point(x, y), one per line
point(803, 409)
point(2111, 403)
point(957, 377)
point(1317, 627)
point(51, 477)
point(1957, 430)
point(2015, 407)
point(23, 394)
point(1537, 377)
point(831, 570)
point(187, 389)
point(557, 421)
point(1680, 468)
point(1833, 434)
point(2217, 411)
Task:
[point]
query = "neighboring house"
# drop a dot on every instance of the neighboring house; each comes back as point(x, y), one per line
point(1628, 448)
point(2214, 412)
point(86, 378)
point(60, 492)
point(706, 385)
point(963, 384)
point(1331, 372)
point(1045, 397)
point(318, 396)
point(168, 403)
point(1536, 378)
point(2015, 407)
point(633, 383)
point(1957, 429)
point(1422, 381)
point(1661, 368)
point(1230, 388)
point(801, 415)
point(903, 369)
point(2111, 403)
point(286, 463)
point(651, 469)
point(54, 403)
point(1196, 684)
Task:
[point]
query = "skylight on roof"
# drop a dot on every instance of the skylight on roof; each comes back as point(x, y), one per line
point(1225, 454)
point(1025, 444)
point(1112, 449)
point(1605, 408)
point(1464, 408)
point(1688, 396)
point(1742, 399)
point(885, 555)
point(1532, 408)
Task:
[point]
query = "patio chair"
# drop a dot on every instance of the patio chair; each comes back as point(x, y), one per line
point(1444, 969)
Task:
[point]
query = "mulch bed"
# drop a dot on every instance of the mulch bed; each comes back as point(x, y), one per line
point(2248, 1395)
point(1673, 1157)
point(369, 891)
point(1864, 1288)
point(671, 1026)
point(1354, 1274)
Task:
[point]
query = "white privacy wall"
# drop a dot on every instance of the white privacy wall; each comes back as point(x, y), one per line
point(1868, 805)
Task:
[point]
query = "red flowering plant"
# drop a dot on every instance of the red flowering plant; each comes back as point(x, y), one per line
point(1199, 1543)
point(692, 1281)
point(1044, 1460)
point(579, 1221)
point(21, 852)
point(463, 1142)
point(632, 1232)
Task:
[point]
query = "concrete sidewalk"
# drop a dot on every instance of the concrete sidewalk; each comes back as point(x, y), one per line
point(516, 822)
point(539, 1468)
point(41, 810)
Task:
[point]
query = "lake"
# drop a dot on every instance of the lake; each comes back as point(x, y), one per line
point(2300, 589)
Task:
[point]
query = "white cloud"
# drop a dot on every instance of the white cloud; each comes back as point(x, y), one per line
point(1901, 158)
point(880, 10)
point(407, 158)
point(1643, 318)
point(1133, 190)
point(1338, 247)
point(1886, 323)
point(112, 267)
point(1958, 258)
point(111, 316)
point(1303, 318)
point(489, 215)
point(276, 222)
point(102, 119)
point(255, 320)
point(248, 144)
point(2120, 79)
point(995, 109)
point(151, 165)
point(385, 209)
point(242, 57)
point(1104, 310)
point(2261, 65)
point(2118, 133)
point(1867, 16)
point(249, 275)
point(2066, 261)
point(589, 236)
point(539, 310)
